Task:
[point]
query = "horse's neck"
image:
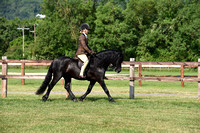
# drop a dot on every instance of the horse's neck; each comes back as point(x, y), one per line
point(103, 61)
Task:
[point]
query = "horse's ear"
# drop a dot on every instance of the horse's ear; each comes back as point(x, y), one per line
point(119, 54)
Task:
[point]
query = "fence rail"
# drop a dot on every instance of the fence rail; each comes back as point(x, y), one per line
point(131, 77)
point(191, 64)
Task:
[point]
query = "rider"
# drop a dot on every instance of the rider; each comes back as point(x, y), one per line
point(83, 48)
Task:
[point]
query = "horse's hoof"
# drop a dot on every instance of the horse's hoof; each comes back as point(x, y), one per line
point(112, 100)
point(44, 99)
point(75, 100)
point(81, 99)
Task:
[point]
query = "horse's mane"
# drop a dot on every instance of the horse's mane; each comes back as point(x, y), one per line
point(109, 52)
point(105, 56)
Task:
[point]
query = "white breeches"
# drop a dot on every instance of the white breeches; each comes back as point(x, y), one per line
point(85, 60)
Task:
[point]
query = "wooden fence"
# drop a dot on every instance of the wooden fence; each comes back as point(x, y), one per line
point(131, 77)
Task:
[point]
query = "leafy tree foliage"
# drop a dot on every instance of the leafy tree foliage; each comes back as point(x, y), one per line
point(149, 30)
point(107, 30)
point(11, 38)
point(138, 17)
point(7, 34)
point(22, 9)
point(174, 35)
point(59, 31)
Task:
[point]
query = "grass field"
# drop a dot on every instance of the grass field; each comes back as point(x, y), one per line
point(25, 112)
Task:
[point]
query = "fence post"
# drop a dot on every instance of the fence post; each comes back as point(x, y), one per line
point(4, 80)
point(182, 75)
point(22, 73)
point(198, 78)
point(140, 74)
point(132, 74)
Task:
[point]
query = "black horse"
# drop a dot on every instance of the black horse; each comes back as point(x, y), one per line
point(68, 68)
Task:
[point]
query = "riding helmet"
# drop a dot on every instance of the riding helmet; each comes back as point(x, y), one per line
point(85, 26)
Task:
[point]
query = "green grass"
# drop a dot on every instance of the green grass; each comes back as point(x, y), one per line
point(25, 112)
point(149, 87)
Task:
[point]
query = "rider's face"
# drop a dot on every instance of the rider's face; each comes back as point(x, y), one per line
point(86, 31)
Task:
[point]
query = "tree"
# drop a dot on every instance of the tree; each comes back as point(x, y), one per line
point(8, 32)
point(59, 31)
point(174, 33)
point(149, 30)
point(137, 18)
point(107, 29)
point(188, 22)
point(23, 9)
point(11, 38)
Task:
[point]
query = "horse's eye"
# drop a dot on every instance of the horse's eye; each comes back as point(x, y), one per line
point(111, 65)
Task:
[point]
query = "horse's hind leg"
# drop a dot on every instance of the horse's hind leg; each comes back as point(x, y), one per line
point(56, 78)
point(103, 85)
point(68, 88)
point(92, 83)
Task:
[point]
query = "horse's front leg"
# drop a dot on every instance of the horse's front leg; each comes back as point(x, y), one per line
point(92, 83)
point(103, 85)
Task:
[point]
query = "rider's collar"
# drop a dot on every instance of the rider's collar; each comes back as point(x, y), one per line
point(84, 34)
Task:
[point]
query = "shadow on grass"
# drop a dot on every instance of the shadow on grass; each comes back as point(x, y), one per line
point(93, 99)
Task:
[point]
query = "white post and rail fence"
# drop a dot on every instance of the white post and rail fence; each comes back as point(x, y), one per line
point(131, 77)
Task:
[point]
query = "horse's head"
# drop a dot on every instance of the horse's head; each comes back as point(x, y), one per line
point(116, 64)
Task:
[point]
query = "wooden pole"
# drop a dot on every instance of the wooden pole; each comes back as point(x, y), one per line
point(22, 73)
point(199, 81)
point(182, 75)
point(132, 75)
point(140, 73)
point(4, 80)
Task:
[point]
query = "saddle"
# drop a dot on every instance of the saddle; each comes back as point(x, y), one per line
point(80, 63)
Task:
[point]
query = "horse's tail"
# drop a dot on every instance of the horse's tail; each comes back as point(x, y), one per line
point(46, 81)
